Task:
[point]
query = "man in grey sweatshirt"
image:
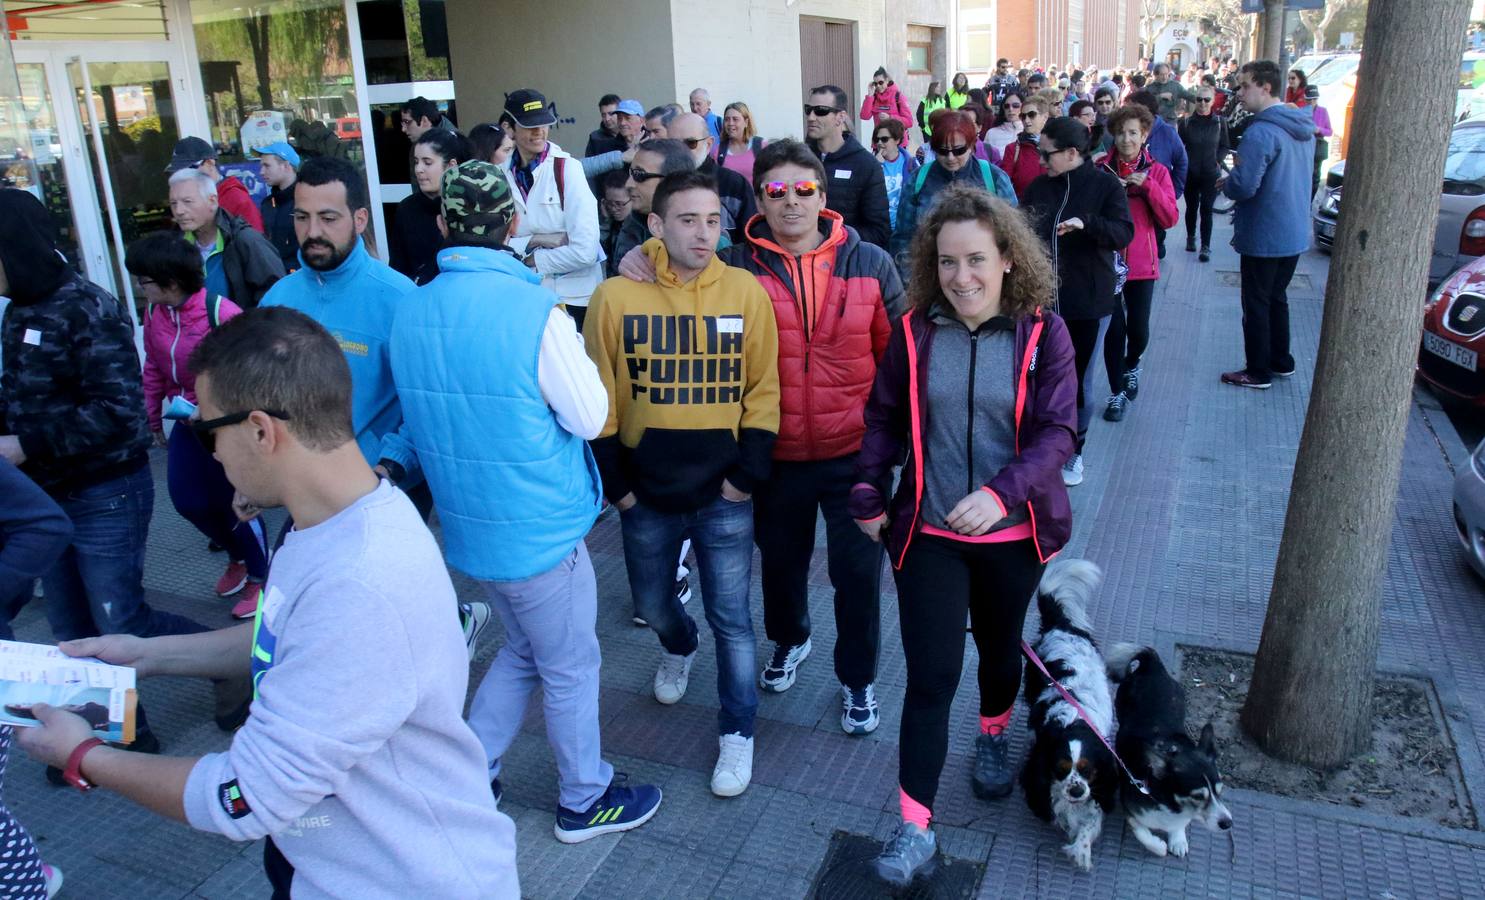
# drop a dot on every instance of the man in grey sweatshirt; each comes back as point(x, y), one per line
point(355, 760)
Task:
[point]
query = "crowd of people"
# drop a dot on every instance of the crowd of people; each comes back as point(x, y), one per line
point(713, 337)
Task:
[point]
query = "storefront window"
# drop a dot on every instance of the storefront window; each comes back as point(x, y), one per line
point(405, 40)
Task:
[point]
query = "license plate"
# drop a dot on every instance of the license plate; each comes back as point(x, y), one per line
point(1325, 229)
point(1460, 356)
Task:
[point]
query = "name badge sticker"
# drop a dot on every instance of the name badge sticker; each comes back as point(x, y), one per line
point(32, 337)
point(843, 173)
point(730, 325)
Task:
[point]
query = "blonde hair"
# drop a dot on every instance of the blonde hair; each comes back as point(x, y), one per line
point(1050, 96)
point(1029, 284)
point(741, 109)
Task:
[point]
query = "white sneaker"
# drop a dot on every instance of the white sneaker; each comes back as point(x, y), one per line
point(778, 676)
point(1072, 470)
point(672, 676)
point(734, 767)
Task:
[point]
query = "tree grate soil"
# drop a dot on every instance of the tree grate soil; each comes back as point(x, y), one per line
point(1411, 769)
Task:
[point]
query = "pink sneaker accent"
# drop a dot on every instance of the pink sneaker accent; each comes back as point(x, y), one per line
point(232, 580)
point(995, 724)
point(53, 877)
point(912, 810)
point(247, 607)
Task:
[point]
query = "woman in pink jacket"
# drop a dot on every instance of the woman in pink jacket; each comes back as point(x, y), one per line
point(885, 101)
point(180, 313)
point(1152, 203)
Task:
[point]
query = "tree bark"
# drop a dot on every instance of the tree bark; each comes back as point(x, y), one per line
point(1273, 30)
point(1311, 695)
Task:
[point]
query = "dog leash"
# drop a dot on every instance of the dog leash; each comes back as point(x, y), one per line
point(1083, 714)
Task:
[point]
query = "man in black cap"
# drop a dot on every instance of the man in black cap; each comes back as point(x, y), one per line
point(232, 195)
point(557, 229)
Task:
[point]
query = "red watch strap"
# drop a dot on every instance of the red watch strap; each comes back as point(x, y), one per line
point(73, 773)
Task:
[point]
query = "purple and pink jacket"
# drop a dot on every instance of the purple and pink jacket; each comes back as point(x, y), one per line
point(170, 334)
point(1046, 433)
point(890, 102)
point(1151, 205)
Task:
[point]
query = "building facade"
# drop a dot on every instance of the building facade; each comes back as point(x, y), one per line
point(1103, 33)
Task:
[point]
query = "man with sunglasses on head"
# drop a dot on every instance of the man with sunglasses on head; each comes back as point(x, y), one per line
point(857, 189)
point(354, 761)
point(738, 205)
point(690, 364)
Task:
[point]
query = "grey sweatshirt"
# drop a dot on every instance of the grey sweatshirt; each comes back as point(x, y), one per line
point(356, 757)
point(971, 432)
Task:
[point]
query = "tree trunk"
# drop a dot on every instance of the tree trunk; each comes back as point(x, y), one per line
point(257, 32)
point(1311, 696)
point(1273, 30)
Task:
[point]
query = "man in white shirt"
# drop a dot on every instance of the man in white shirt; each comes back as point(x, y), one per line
point(499, 401)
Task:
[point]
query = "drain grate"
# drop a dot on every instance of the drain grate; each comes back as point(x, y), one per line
point(844, 875)
point(1300, 283)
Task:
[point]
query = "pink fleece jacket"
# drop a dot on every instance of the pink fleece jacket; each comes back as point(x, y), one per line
point(170, 334)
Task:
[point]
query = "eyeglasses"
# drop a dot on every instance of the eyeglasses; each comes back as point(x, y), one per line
point(1203, 99)
point(640, 176)
point(1029, 115)
point(693, 143)
point(778, 190)
point(879, 84)
point(952, 151)
point(820, 112)
point(1048, 154)
point(205, 429)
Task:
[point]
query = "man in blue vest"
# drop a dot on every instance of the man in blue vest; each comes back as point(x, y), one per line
point(499, 401)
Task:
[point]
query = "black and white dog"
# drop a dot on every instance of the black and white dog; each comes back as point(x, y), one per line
point(1181, 774)
point(1070, 777)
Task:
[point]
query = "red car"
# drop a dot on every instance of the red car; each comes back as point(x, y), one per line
point(1453, 345)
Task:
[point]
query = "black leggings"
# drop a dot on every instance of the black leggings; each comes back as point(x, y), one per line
point(939, 580)
point(1129, 332)
point(1084, 334)
point(1201, 193)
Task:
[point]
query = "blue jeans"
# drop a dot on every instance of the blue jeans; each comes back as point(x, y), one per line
point(97, 587)
point(722, 535)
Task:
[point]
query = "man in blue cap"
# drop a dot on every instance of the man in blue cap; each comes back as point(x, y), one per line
point(631, 121)
point(280, 170)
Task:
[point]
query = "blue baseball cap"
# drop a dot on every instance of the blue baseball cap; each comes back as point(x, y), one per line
point(631, 108)
point(282, 150)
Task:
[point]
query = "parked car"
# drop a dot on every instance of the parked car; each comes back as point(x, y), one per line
point(1310, 63)
point(1469, 509)
point(1453, 341)
point(1459, 236)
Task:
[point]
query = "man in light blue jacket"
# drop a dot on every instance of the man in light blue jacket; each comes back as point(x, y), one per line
point(1270, 185)
point(500, 400)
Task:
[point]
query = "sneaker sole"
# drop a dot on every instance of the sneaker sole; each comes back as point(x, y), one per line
point(639, 623)
point(235, 591)
point(684, 685)
point(985, 793)
point(854, 728)
point(729, 792)
point(1072, 482)
point(586, 834)
point(1251, 387)
point(924, 872)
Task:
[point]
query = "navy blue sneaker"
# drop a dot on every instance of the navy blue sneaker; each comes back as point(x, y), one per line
point(619, 809)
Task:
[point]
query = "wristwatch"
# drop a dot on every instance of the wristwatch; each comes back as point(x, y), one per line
point(73, 773)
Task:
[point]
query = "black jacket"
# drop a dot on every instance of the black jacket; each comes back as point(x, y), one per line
point(600, 141)
point(1206, 141)
point(251, 264)
point(738, 205)
point(1084, 259)
point(415, 240)
point(857, 189)
point(278, 225)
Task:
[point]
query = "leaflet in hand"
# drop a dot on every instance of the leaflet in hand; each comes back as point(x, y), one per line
point(102, 694)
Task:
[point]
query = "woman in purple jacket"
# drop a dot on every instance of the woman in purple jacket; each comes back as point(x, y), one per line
point(976, 397)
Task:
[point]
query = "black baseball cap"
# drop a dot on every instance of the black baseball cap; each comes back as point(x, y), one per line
point(529, 108)
point(190, 152)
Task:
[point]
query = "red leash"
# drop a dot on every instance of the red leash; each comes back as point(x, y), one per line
point(1083, 714)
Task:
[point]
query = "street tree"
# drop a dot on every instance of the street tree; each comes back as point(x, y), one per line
point(1311, 694)
point(1317, 20)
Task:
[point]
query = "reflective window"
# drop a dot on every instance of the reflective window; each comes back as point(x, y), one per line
point(48, 20)
point(404, 40)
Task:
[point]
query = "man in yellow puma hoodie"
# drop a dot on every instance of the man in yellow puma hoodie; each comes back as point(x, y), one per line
point(690, 363)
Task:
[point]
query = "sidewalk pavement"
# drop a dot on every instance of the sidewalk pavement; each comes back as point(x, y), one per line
point(1183, 507)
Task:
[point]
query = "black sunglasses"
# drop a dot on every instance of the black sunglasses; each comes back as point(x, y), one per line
point(1048, 154)
point(952, 151)
point(640, 176)
point(820, 112)
point(205, 429)
point(881, 139)
point(693, 143)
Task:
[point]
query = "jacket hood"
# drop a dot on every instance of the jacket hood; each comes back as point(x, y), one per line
point(484, 259)
point(1297, 123)
point(28, 249)
point(654, 248)
point(230, 225)
point(852, 145)
point(832, 226)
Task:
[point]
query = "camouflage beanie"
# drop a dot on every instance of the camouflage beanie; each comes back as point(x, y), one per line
point(476, 199)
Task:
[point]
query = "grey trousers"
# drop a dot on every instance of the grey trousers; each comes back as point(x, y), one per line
point(550, 640)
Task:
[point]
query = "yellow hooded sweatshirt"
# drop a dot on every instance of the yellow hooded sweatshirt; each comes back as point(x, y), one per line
point(692, 376)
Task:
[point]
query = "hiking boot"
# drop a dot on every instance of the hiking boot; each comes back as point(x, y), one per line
point(1241, 378)
point(1191, 245)
point(859, 714)
point(1072, 470)
point(1132, 382)
point(734, 768)
point(778, 676)
point(1205, 255)
point(232, 580)
point(911, 853)
point(619, 809)
point(672, 677)
point(474, 617)
point(1114, 412)
point(993, 772)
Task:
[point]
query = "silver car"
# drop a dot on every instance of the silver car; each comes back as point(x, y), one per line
point(1469, 509)
point(1460, 234)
